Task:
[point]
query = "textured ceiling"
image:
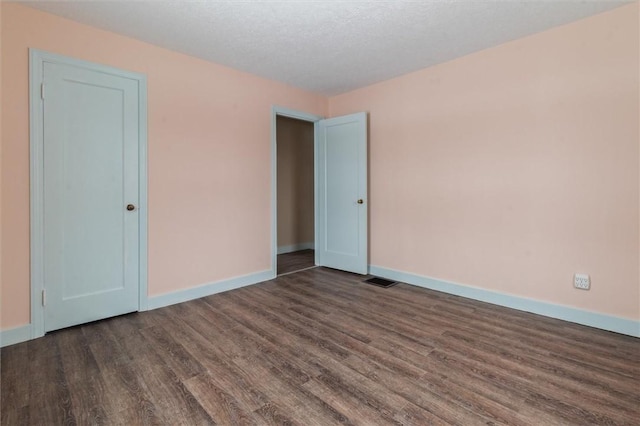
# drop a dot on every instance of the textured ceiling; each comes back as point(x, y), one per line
point(328, 47)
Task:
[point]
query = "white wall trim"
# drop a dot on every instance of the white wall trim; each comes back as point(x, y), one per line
point(37, 58)
point(208, 289)
point(143, 250)
point(15, 335)
point(566, 313)
point(296, 247)
point(25, 332)
point(593, 319)
point(285, 112)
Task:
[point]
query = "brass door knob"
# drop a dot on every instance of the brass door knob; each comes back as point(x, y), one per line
point(131, 207)
point(360, 201)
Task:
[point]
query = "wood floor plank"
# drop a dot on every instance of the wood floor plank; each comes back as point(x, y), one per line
point(172, 401)
point(15, 416)
point(272, 336)
point(591, 384)
point(173, 353)
point(83, 377)
point(223, 408)
point(295, 261)
point(126, 394)
point(412, 415)
point(444, 399)
point(338, 395)
point(350, 345)
point(49, 396)
point(15, 390)
point(291, 395)
point(221, 371)
point(565, 385)
point(271, 414)
point(320, 347)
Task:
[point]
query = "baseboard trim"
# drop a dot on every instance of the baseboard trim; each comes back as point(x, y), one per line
point(208, 289)
point(566, 313)
point(593, 319)
point(23, 333)
point(296, 247)
point(15, 335)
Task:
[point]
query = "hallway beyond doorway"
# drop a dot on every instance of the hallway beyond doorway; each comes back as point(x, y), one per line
point(295, 261)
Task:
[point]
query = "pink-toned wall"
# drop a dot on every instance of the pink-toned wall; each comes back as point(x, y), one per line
point(509, 169)
point(209, 155)
point(513, 168)
point(1, 97)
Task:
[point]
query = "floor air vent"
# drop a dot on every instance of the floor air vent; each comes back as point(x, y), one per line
point(380, 282)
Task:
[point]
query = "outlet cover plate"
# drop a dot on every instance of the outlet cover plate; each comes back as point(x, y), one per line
point(582, 281)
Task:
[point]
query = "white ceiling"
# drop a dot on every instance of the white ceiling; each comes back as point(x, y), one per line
point(329, 47)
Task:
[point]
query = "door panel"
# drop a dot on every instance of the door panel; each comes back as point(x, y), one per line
point(90, 175)
point(342, 181)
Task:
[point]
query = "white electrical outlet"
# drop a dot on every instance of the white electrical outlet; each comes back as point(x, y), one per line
point(582, 281)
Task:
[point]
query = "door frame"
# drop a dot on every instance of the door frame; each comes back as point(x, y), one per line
point(37, 59)
point(298, 115)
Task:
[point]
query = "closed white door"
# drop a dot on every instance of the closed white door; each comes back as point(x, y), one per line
point(341, 210)
point(91, 241)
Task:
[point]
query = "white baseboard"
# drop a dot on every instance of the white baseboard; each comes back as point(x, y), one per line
point(15, 335)
point(24, 333)
point(296, 247)
point(593, 319)
point(566, 313)
point(208, 289)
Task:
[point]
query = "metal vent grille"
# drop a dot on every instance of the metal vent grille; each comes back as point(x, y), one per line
point(380, 282)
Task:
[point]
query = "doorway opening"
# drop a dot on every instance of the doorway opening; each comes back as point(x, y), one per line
point(295, 177)
point(339, 192)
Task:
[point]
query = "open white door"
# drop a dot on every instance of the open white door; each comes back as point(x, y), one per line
point(341, 199)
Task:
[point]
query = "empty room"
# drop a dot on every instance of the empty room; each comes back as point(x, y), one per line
point(320, 212)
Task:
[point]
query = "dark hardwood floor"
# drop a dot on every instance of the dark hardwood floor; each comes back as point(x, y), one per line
point(295, 261)
point(320, 347)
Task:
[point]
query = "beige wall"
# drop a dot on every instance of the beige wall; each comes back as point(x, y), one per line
point(515, 167)
point(209, 155)
point(295, 181)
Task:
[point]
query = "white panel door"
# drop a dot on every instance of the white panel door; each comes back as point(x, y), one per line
point(91, 240)
point(341, 210)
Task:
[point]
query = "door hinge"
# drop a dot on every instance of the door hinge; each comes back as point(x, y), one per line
point(44, 297)
point(42, 90)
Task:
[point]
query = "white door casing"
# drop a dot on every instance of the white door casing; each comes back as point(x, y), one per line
point(341, 202)
point(88, 153)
